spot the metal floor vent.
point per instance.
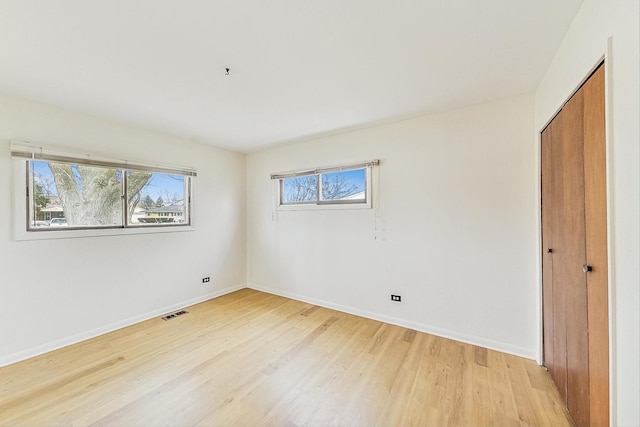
(176, 314)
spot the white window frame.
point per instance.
(23, 152)
(327, 204)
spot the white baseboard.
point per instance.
(421, 327)
(74, 339)
(433, 330)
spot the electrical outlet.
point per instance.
(396, 298)
(206, 279)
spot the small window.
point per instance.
(69, 195)
(336, 187)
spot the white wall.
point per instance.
(53, 292)
(585, 43)
(454, 232)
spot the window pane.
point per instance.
(156, 199)
(71, 195)
(302, 189)
(344, 186)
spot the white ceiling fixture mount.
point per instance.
(317, 67)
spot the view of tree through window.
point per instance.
(82, 196)
(336, 187)
(348, 185)
(302, 189)
(160, 200)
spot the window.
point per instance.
(160, 199)
(73, 193)
(299, 190)
(345, 186)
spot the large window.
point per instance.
(85, 192)
(73, 196)
(346, 186)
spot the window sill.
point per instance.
(73, 234)
(321, 207)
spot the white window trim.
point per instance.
(20, 215)
(314, 206)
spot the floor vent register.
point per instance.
(174, 315)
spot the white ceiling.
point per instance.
(299, 68)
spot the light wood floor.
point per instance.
(250, 358)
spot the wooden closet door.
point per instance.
(554, 296)
(575, 286)
(596, 236)
(548, 320)
(570, 257)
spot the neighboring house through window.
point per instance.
(67, 192)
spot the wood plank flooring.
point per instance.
(255, 359)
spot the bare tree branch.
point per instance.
(337, 187)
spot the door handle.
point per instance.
(587, 268)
